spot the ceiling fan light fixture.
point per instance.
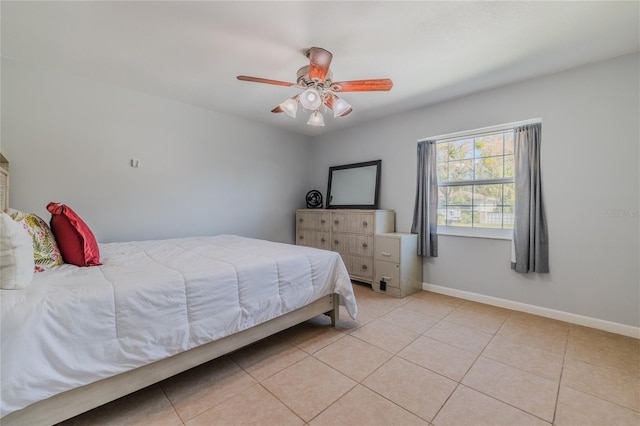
(311, 99)
(316, 119)
(318, 88)
(290, 106)
(340, 107)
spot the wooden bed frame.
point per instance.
(79, 400)
(76, 401)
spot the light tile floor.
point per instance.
(425, 359)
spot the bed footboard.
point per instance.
(76, 401)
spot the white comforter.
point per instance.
(150, 300)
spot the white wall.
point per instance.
(70, 139)
(590, 160)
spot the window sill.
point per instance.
(492, 234)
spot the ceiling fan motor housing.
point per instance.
(305, 81)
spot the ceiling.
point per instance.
(432, 50)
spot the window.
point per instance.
(476, 189)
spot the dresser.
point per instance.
(398, 268)
(349, 232)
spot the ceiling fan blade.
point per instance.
(319, 61)
(264, 80)
(381, 84)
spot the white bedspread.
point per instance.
(150, 300)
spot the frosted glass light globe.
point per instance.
(311, 99)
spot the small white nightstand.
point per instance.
(398, 268)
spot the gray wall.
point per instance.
(590, 160)
(70, 139)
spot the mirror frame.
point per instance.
(374, 205)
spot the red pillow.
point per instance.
(77, 243)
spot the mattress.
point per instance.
(148, 301)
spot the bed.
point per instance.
(78, 337)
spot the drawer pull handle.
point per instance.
(364, 267)
(322, 221)
(385, 278)
(301, 220)
(365, 245)
(364, 223)
(322, 240)
(301, 237)
(335, 241)
(386, 254)
(336, 222)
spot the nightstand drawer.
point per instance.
(387, 249)
(389, 272)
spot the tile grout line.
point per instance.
(340, 372)
(596, 365)
(483, 393)
(227, 357)
(459, 382)
(260, 383)
(182, 421)
(333, 403)
(282, 402)
(393, 355)
(564, 358)
(356, 382)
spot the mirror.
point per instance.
(354, 186)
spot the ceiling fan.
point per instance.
(316, 80)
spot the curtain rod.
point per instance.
(482, 130)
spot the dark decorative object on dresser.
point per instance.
(314, 199)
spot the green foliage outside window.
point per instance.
(476, 181)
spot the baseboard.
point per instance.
(612, 327)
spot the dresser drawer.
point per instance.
(389, 272)
(352, 244)
(387, 248)
(316, 239)
(360, 223)
(319, 221)
(358, 266)
(350, 232)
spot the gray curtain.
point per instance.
(425, 221)
(530, 251)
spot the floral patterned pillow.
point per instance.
(45, 250)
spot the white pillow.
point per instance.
(16, 254)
